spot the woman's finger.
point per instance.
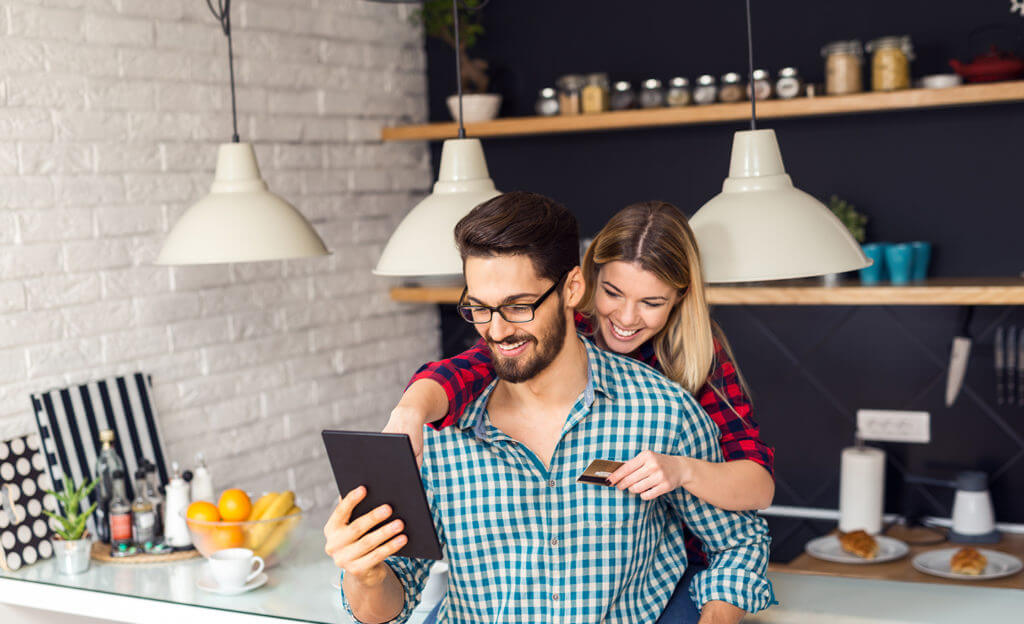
(655, 492)
(625, 469)
(645, 484)
(633, 477)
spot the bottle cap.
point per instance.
(107, 435)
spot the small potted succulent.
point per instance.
(437, 19)
(854, 222)
(72, 545)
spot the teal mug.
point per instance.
(875, 252)
(899, 258)
(922, 257)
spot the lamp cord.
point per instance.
(223, 15)
(458, 65)
(750, 75)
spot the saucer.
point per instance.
(206, 582)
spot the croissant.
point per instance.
(859, 543)
(968, 561)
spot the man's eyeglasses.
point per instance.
(511, 312)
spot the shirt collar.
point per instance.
(599, 379)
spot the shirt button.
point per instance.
(554, 542)
(554, 596)
(551, 483)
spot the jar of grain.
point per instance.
(890, 62)
(843, 67)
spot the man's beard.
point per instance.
(520, 369)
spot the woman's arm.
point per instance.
(739, 485)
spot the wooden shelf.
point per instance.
(968, 95)
(947, 291)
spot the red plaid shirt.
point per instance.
(465, 376)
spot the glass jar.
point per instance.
(761, 82)
(890, 62)
(706, 91)
(622, 96)
(789, 85)
(843, 67)
(570, 89)
(547, 102)
(652, 95)
(731, 89)
(678, 92)
(595, 93)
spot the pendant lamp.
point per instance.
(240, 220)
(424, 242)
(761, 227)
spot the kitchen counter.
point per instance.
(300, 590)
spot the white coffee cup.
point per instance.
(233, 567)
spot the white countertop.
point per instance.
(301, 590)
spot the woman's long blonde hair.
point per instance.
(656, 236)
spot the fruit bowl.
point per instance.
(270, 537)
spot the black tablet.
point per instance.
(386, 465)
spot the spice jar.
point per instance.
(732, 89)
(547, 102)
(761, 83)
(622, 96)
(890, 63)
(678, 92)
(595, 93)
(652, 95)
(570, 89)
(789, 85)
(706, 91)
(843, 67)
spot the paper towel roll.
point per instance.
(861, 489)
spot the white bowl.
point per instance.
(476, 107)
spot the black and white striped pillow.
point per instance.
(70, 420)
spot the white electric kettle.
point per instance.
(974, 520)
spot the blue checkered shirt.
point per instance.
(526, 543)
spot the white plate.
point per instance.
(936, 563)
(207, 583)
(828, 549)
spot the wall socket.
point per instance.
(894, 426)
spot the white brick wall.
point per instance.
(110, 116)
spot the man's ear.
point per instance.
(574, 287)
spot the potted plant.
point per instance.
(72, 545)
(854, 222)
(438, 22)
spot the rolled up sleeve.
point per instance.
(412, 574)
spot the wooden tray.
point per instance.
(101, 552)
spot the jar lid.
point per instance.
(679, 82)
(623, 85)
(852, 46)
(731, 78)
(761, 74)
(652, 83)
(571, 82)
(597, 77)
(900, 42)
(547, 92)
(706, 79)
(788, 72)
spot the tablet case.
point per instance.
(385, 464)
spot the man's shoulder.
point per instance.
(635, 377)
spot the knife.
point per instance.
(1000, 366)
(958, 357)
(1011, 365)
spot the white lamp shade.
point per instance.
(760, 227)
(240, 220)
(424, 242)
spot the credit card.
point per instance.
(598, 471)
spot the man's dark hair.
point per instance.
(521, 223)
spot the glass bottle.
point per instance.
(678, 92)
(622, 96)
(143, 516)
(890, 63)
(153, 494)
(652, 95)
(595, 94)
(843, 67)
(761, 84)
(547, 102)
(731, 89)
(570, 87)
(706, 91)
(789, 85)
(120, 513)
(107, 463)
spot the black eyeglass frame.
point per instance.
(464, 308)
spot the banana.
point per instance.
(276, 508)
(279, 533)
(261, 505)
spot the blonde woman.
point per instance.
(645, 298)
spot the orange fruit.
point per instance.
(234, 505)
(226, 537)
(204, 511)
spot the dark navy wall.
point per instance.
(950, 176)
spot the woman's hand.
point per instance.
(410, 421)
(651, 474)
